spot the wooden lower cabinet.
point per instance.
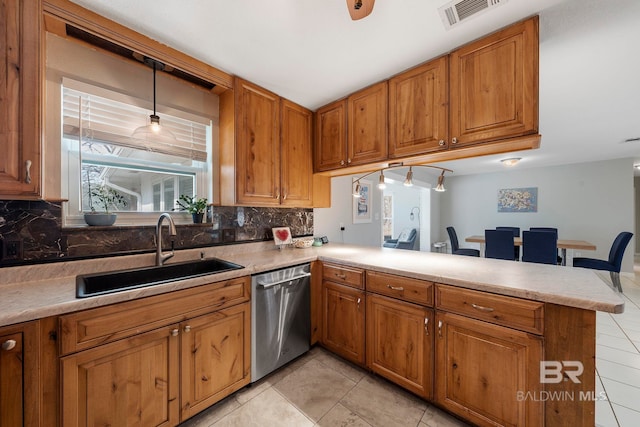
(216, 357)
(400, 343)
(160, 377)
(343, 311)
(19, 384)
(129, 382)
(482, 368)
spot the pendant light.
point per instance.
(440, 187)
(359, 9)
(153, 131)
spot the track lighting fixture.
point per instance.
(408, 180)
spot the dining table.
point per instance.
(563, 245)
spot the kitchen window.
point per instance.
(98, 149)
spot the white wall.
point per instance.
(326, 221)
(586, 201)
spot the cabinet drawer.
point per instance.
(404, 288)
(508, 311)
(346, 275)
(86, 329)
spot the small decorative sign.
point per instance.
(362, 204)
(518, 199)
(282, 235)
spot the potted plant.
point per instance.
(105, 197)
(194, 206)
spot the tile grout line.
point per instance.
(609, 402)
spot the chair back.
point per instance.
(540, 247)
(551, 229)
(499, 244)
(454, 239)
(516, 233)
(617, 249)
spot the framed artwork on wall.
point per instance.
(518, 199)
(362, 205)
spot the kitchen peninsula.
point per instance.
(468, 315)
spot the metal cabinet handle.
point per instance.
(8, 345)
(341, 162)
(175, 332)
(359, 299)
(441, 142)
(481, 308)
(426, 326)
(341, 276)
(440, 328)
(284, 197)
(27, 178)
(454, 140)
(187, 328)
(349, 160)
(396, 288)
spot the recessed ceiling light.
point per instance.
(512, 161)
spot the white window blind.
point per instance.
(112, 122)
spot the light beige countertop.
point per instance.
(42, 290)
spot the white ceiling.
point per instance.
(311, 52)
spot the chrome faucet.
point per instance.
(160, 257)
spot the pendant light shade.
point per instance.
(408, 182)
(356, 191)
(153, 131)
(359, 9)
(440, 187)
(381, 183)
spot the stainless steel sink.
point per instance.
(88, 285)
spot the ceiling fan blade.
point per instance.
(359, 9)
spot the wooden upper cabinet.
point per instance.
(330, 148)
(418, 109)
(296, 155)
(257, 145)
(494, 86)
(367, 125)
(20, 87)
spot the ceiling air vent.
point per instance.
(455, 12)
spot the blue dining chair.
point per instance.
(551, 230)
(540, 247)
(613, 264)
(516, 233)
(498, 244)
(455, 247)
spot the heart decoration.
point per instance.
(282, 234)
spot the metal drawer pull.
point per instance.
(9, 345)
(359, 302)
(174, 332)
(481, 308)
(396, 288)
(440, 328)
(341, 276)
(187, 328)
(27, 178)
(426, 326)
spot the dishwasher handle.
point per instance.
(268, 285)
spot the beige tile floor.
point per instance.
(320, 389)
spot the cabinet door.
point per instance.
(20, 390)
(400, 343)
(418, 110)
(11, 384)
(481, 369)
(20, 85)
(257, 145)
(343, 321)
(129, 382)
(367, 125)
(494, 86)
(296, 155)
(216, 357)
(330, 150)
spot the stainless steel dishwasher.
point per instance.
(280, 321)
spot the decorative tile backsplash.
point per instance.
(31, 232)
